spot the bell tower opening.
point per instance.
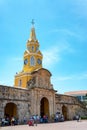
(10, 110)
(44, 108)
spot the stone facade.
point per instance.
(38, 98)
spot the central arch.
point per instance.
(44, 107)
(10, 110)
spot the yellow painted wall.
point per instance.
(24, 78)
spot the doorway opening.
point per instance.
(10, 110)
(64, 111)
(44, 108)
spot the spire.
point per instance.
(32, 22)
(32, 33)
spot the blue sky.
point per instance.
(61, 28)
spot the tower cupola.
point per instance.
(32, 56)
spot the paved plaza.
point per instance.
(67, 125)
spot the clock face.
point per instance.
(25, 61)
(39, 61)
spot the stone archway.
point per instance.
(64, 112)
(10, 110)
(44, 107)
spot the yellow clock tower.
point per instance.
(32, 60)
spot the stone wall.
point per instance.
(28, 101)
(72, 105)
(20, 97)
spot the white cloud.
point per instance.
(79, 76)
(82, 76)
(52, 55)
(68, 33)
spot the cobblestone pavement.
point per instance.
(67, 125)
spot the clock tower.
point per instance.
(32, 60)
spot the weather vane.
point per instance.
(33, 22)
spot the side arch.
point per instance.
(64, 111)
(10, 110)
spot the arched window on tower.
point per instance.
(20, 83)
(32, 61)
(32, 48)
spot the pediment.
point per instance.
(43, 72)
(41, 79)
